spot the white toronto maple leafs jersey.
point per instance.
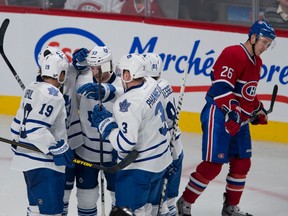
(170, 108)
(75, 138)
(90, 150)
(140, 116)
(114, 6)
(40, 122)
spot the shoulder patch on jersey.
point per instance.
(53, 91)
(124, 106)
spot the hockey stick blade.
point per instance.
(2, 35)
(121, 165)
(3, 28)
(273, 99)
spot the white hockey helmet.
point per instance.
(134, 63)
(154, 64)
(100, 56)
(50, 50)
(53, 65)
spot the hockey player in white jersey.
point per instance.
(173, 175)
(114, 6)
(68, 89)
(99, 60)
(138, 123)
(75, 139)
(41, 122)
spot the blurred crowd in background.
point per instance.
(236, 12)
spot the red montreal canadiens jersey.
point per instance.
(131, 7)
(235, 76)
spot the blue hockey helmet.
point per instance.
(262, 28)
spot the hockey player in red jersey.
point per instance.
(230, 100)
(139, 7)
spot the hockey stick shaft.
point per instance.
(125, 162)
(180, 102)
(173, 136)
(2, 35)
(101, 150)
(270, 110)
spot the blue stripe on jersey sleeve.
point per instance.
(96, 151)
(155, 146)
(74, 135)
(32, 157)
(121, 135)
(32, 130)
(16, 121)
(38, 122)
(14, 132)
(74, 123)
(220, 88)
(152, 157)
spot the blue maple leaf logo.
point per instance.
(53, 91)
(124, 106)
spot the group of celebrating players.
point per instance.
(91, 111)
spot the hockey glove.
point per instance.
(62, 154)
(102, 119)
(79, 59)
(91, 91)
(99, 114)
(232, 121)
(259, 115)
(170, 170)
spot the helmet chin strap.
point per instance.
(108, 77)
(253, 46)
(253, 49)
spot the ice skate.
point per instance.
(232, 210)
(184, 208)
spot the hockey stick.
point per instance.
(173, 136)
(273, 99)
(2, 34)
(101, 150)
(113, 169)
(270, 110)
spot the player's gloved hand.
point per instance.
(102, 119)
(170, 170)
(79, 59)
(62, 154)
(232, 121)
(259, 115)
(91, 91)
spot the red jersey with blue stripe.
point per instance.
(235, 77)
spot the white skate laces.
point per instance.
(232, 210)
(184, 208)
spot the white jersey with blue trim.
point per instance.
(75, 138)
(90, 150)
(170, 108)
(40, 122)
(140, 116)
